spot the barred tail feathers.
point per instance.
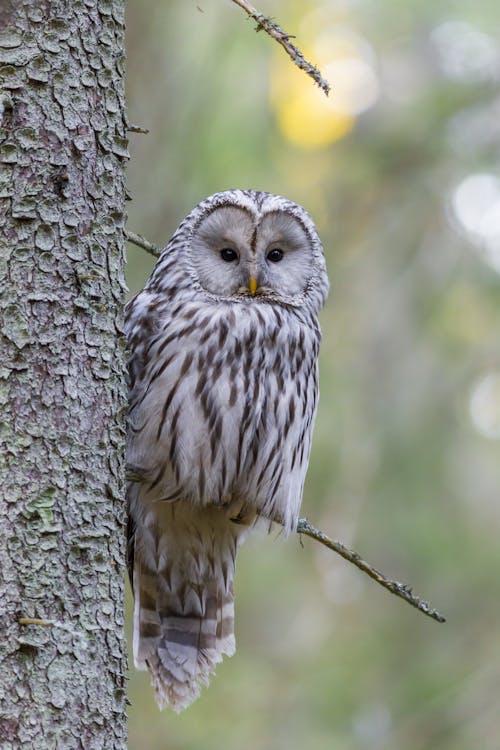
(184, 600)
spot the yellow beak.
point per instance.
(252, 285)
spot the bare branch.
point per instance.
(396, 588)
(277, 33)
(35, 621)
(136, 239)
(137, 129)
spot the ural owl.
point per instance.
(223, 343)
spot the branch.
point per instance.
(34, 621)
(277, 33)
(136, 239)
(396, 588)
(137, 129)
(134, 474)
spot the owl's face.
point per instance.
(255, 246)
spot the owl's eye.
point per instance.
(275, 255)
(228, 254)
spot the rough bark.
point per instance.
(62, 401)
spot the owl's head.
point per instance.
(251, 246)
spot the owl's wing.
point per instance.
(130, 546)
(277, 464)
(187, 406)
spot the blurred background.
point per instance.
(400, 168)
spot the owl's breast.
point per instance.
(224, 409)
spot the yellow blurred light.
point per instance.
(305, 116)
(306, 122)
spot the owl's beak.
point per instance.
(252, 285)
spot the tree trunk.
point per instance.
(62, 400)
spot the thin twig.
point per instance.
(35, 621)
(136, 239)
(396, 588)
(137, 129)
(277, 33)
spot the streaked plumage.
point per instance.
(223, 397)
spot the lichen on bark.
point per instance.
(62, 402)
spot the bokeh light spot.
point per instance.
(484, 405)
(476, 209)
(356, 85)
(465, 53)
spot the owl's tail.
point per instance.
(184, 603)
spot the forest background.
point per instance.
(400, 168)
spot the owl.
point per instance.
(223, 377)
